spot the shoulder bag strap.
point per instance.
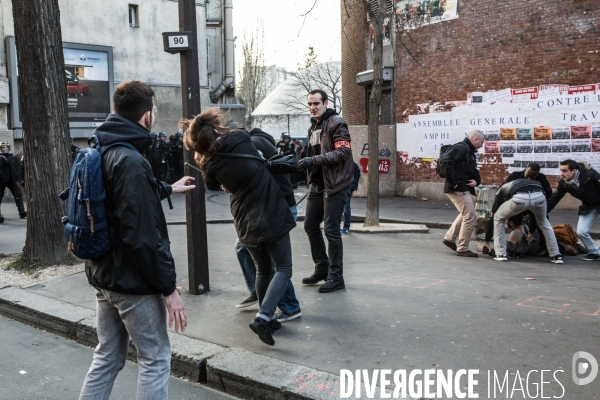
(237, 155)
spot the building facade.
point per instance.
(130, 35)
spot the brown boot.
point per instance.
(466, 253)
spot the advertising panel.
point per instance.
(88, 73)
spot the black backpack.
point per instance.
(440, 168)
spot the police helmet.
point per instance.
(154, 135)
(178, 135)
(4, 144)
(285, 135)
(162, 134)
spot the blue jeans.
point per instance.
(271, 287)
(348, 213)
(288, 303)
(583, 231)
(321, 207)
(144, 319)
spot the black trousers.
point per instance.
(18, 199)
(321, 207)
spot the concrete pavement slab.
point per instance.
(273, 379)
(50, 314)
(384, 227)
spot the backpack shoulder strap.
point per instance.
(237, 155)
(104, 148)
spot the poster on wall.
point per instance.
(561, 127)
(417, 13)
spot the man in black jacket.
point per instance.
(532, 172)
(583, 182)
(136, 279)
(330, 172)
(462, 177)
(514, 198)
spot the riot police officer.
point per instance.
(176, 153)
(9, 167)
(161, 152)
(150, 154)
(285, 146)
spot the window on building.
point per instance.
(134, 20)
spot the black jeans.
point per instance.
(270, 290)
(321, 207)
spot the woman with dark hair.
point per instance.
(262, 218)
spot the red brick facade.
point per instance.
(492, 171)
(354, 33)
(494, 44)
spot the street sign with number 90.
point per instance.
(178, 41)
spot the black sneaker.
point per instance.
(591, 257)
(23, 215)
(314, 279)
(1, 219)
(332, 285)
(263, 329)
(557, 259)
(275, 325)
(283, 317)
(249, 302)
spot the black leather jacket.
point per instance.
(461, 167)
(334, 155)
(588, 191)
(140, 263)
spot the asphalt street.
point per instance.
(40, 365)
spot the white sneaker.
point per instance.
(501, 258)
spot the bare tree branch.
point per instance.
(253, 84)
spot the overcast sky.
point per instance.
(286, 38)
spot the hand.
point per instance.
(176, 311)
(529, 238)
(472, 183)
(183, 185)
(223, 188)
(306, 162)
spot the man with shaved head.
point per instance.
(462, 177)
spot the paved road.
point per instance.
(55, 368)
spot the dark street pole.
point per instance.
(195, 207)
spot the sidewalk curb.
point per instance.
(361, 218)
(230, 370)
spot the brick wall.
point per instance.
(354, 32)
(494, 44)
(497, 44)
(492, 171)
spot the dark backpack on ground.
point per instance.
(440, 168)
(86, 227)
